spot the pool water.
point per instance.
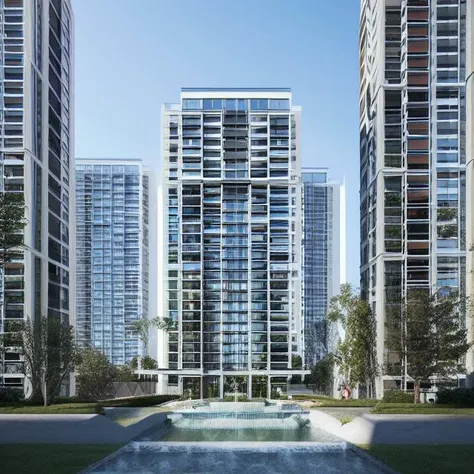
(232, 439)
(190, 459)
(307, 433)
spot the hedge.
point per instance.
(457, 396)
(311, 397)
(9, 396)
(397, 396)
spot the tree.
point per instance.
(355, 354)
(142, 327)
(296, 362)
(125, 373)
(322, 375)
(96, 375)
(147, 362)
(12, 223)
(49, 351)
(432, 338)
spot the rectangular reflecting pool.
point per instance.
(171, 433)
(193, 458)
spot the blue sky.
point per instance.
(133, 56)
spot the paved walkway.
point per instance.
(343, 412)
(300, 389)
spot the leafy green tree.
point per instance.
(12, 224)
(49, 351)
(296, 362)
(96, 375)
(125, 373)
(356, 353)
(147, 362)
(432, 338)
(142, 328)
(322, 375)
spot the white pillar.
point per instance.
(221, 386)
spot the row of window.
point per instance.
(236, 104)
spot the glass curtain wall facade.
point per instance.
(37, 160)
(112, 255)
(232, 240)
(323, 211)
(413, 157)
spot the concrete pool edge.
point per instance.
(264, 446)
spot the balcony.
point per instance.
(418, 79)
(235, 155)
(235, 143)
(235, 133)
(235, 119)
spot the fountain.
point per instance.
(236, 437)
(240, 415)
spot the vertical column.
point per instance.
(221, 386)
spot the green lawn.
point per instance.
(344, 403)
(51, 458)
(421, 459)
(60, 409)
(419, 409)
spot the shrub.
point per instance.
(415, 408)
(346, 419)
(125, 373)
(397, 396)
(146, 401)
(96, 375)
(10, 396)
(240, 398)
(311, 397)
(361, 402)
(456, 396)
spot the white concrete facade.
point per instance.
(232, 215)
(416, 154)
(37, 160)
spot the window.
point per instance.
(259, 104)
(192, 104)
(241, 104)
(212, 104)
(231, 104)
(279, 104)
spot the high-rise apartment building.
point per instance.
(112, 243)
(232, 227)
(415, 59)
(323, 257)
(37, 160)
